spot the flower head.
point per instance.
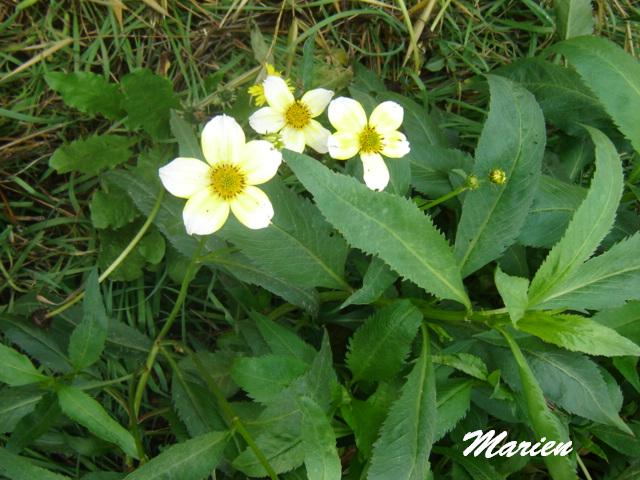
(226, 181)
(257, 91)
(294, 119)
(497, 176)
(370, 138)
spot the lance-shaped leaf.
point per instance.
(513, 140)
(573, 17)
(17, 369)
(376, 280)
(513, 291)
(16, 467)
(319, 443)
(385, 225)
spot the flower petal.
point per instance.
(222, 140)
(293, 139)
(343, 145)
(345, 114)
(317, 100)
(204, 213)
(253, 208)
(376, 173)
(277, 93)
(387, 117)
(395, 145)
(267, 120)
(315, 135)
(183, 177)
(260, 161)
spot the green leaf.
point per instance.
(385, 225)
(376, 280)
(152, 246)
(195, 405)
(513, 291)
(112, 243)
(378, 348)
(88, 339)
(590, 224)
(148, 101)
(453, 403)
(478, 468)
(194, 459)
(15, 467)
(613, 75)
(573, 18)
(578, 334)
(81, 408)
(35, 424)
(432, 166)
(264, 377)
(283, 341)
(92, 155)
(15, 403)
(402, 451)
(319, 443)
(17, 369)
(543, 421)
(513, 139)
(88, 92)
(625, 320)
(111, 209)
(465, 362)
(188, 145)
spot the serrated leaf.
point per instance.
(283, 341)
(35, 424)
(385, 225)
(15, 403)
(478, 468)
(15, 467)
(402, 451)
(148, 101)
(263, 377)
(613, 75)
(376, 280)
(378, 348)
(431, 166)
(513, 139)
(573, 18)
(513, 291)
(111, 209)
(194, 405)
(80, 407)
(625, 320)
(576, 333)
(453, 402)
(88, 92)
(319, 443)
(590, 224)
(465, 362)
(17, 369)
(92, 155)
(194, 459)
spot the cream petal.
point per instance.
(222, 140)
(387, 117)
(204, 213)
(395, 145)
(260, 161)
(293, 139)
(267, 120)
(277, 93)
(376, 173)
(317, 100)
(183, 177)
(343, 145)
(253, 208)
(347, 115)
(315, 135)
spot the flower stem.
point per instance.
(444, 198)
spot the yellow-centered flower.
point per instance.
(294, 119)
(370, 138)
(226, 181)
(257, 91)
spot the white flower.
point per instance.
(379, 135)
(294, 119)
(226, 182)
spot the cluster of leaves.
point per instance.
(480, 314)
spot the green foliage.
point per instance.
(376, 280)
(573, 17)
(453, 403)
(319, 443)
(92, 155)
(262, 377)
(17, 369)
(513, 291)
(15, 467)
(112, 209)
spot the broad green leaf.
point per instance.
(432, 166)
(194, 459)
(589, 225)
(319, 443)
(188, 145)
(376, 280)
(264, 377)
(88, 92)
(112, 243)
(625, 320)
(628, 368)
(378, 348)
(148, 101)
(17, 369)
(15, 403)
(465, 362)
(453, 403)
(573, 18)
(283, 341)
(606, 281)
(15, 467)
(402, 451)
(88, 339)
(543, 421)
(385, 225)
(111, 209)
(152, 247)
(613, 75)
(513, 291)
(513, 139)
(35, 424)
(92, 154)
(577, 333)
(622, 442)
(81, 408)
(195, 405)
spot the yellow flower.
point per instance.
(497, 176)
(370, 138)
(226, 182)
(257, 91)
(294, 119)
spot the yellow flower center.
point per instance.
(227, 181)
(370, 140)
(297, 115)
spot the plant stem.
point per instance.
(444, 198)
